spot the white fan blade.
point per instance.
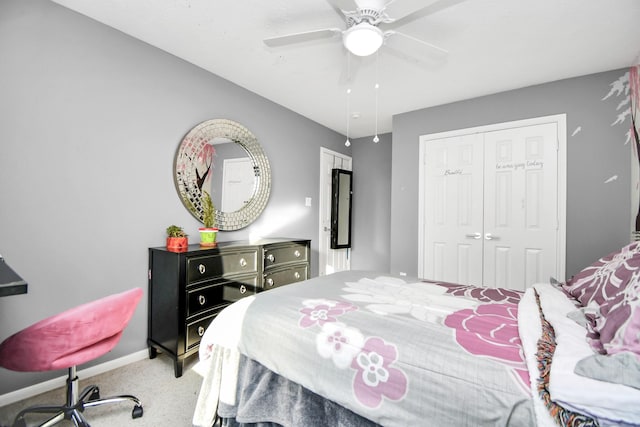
(392, 33)
(343, 5)
(422, 11)
(305, 36)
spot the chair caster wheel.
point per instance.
(137, 412)
(95, 394)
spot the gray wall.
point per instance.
(598, 213)
(90, 120)
(371, 203)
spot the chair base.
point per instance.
(76, 404)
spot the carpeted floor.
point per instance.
(167, 400)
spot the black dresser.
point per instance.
(188, 289)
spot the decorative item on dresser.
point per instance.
(209, 232)
(188, 289)
(177, 239)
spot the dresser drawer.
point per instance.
(201, 299)
(221, 265)
(285, 276)
(196, 329)
(277, 255)
(204, 298)
(240, 288)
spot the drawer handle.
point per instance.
(200, 331)
(202, 268)
(297, 253)
(269, 282)
(296, 275)
(243, 289)
(201, 299)
(271, 258)
(243, 262)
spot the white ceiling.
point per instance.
(494, 45)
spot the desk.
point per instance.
(10, 282)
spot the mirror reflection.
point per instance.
(232, 181)
(341, 191)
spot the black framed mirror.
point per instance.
(341, 192)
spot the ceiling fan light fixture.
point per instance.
(363, 39)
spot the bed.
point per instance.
(360, 348)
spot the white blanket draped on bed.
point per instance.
(609, 403)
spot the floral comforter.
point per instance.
(395, 351)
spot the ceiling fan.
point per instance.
(368, 24)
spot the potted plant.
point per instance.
(209, 232)
(177, 240)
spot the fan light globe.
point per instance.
(363, 39)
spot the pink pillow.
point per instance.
(618, 322)
(605, 278)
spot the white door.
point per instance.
(520, 206)
(490, 205)
(453, 211)
(331, 260)
(238, 183)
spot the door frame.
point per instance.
(342, 161)
(561, 121)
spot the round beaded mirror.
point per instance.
(225, 160)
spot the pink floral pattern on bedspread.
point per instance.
(371, 357)
(318, 312)
(376, 378)
(481, 294)
(491, 330)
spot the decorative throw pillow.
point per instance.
(618, 322)
(605, 278)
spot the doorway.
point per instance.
(238, 183)
(330, 260)
(492, 204)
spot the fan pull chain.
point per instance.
(376, 87)
(347, 143)
(375, 138)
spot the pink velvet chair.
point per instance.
(69, 339)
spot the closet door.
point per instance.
(454, 209)
(520, 206)
(490, 207)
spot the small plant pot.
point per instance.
(177, 244)
(208, 236)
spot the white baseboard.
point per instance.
(24, 393)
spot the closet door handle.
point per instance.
(489, 236)
(476, 236)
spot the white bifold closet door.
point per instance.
(490, 207)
